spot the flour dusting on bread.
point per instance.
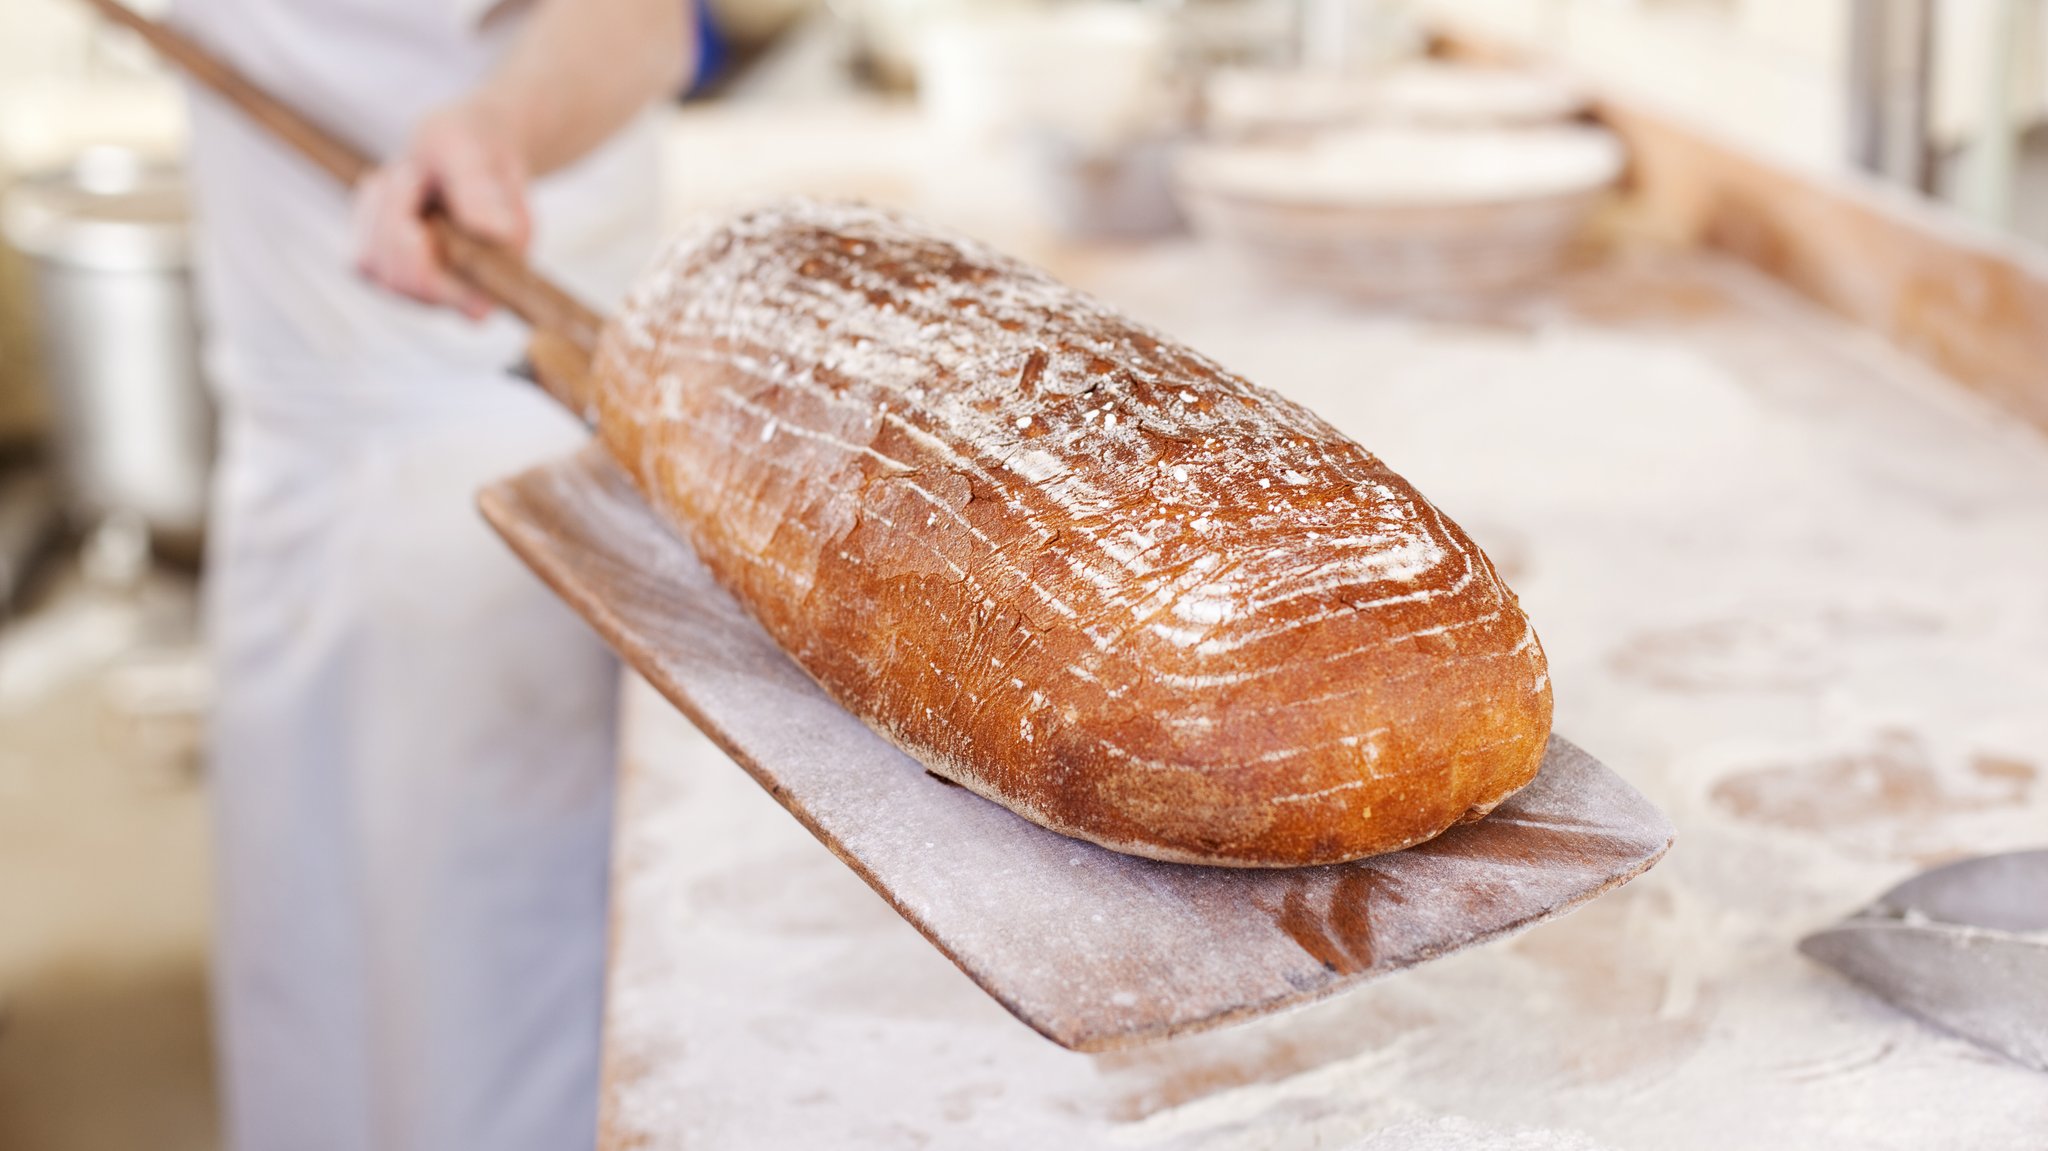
(1063, 559)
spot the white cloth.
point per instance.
(412, 747)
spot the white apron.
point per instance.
(412, 747)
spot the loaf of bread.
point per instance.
(1061, 559)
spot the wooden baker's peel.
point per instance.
(1092, 949)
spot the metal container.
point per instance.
(109, 240)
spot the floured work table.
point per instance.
(1789, 580)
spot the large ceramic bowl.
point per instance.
(1403, 212)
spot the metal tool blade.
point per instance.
(2000, 892)
(1964, 947)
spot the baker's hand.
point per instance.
(467, 159)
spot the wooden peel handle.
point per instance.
(565, 325)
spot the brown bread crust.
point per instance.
(1063, 560)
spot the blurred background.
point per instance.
(1308, 137)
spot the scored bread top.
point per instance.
(1062, 559)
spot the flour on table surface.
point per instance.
(1452, 1134)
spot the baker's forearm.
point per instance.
(580, 69)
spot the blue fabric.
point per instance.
(714, 54)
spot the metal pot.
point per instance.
(109, 241)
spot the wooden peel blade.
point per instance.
(567, 327)
(1092, 949)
